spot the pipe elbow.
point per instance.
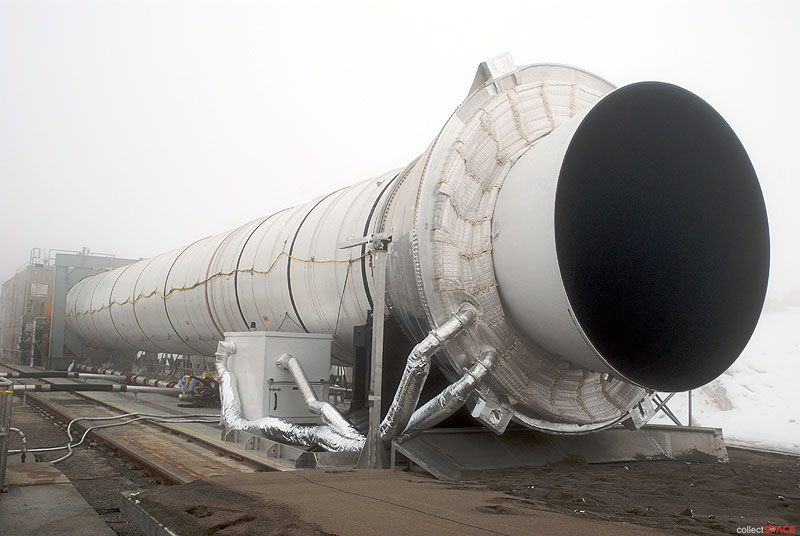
(284, 360)
(225, 349)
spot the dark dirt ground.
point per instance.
(754, 489)
(229, 512)
(99, 474)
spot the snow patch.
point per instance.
(755, 401)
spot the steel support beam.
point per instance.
(374, 455)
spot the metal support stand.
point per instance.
(378, 244)
(662, 406)
(448, 453)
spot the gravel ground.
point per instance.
(754, 489)
(99, 474)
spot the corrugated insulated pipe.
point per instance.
(416, 372)
(337, 434)
(330, 415)
(454, 396)
(275, 428)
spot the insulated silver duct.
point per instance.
(610, 241)
(451, 399)
(330, 415)
(338, 434)
(418, 365)
(273, 427)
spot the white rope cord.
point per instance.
(494, 138)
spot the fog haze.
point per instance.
(133, 128)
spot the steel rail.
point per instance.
(176, 432)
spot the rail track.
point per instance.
(178, 452)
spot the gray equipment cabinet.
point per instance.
(266, 389)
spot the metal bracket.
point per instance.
(493, 70)
(640, 414)
(376, 242)
(491, 410)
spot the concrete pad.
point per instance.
(31, 474)
(40, 501)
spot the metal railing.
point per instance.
(6, 394)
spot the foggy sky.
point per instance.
(136, 127)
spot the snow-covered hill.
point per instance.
(756, 402)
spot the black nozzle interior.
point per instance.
(662, 236)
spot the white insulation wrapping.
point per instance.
(478, 162)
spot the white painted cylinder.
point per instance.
(498, 159)
(284, 273)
